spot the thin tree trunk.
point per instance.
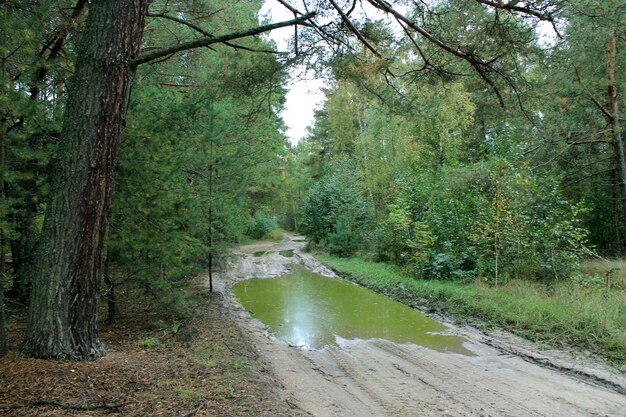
(295, 214)
(3, 327)
(62, 321)
(616, 133)
(23, 245)
(617, 249)
(111, 298)
(3, 321)
(211, 206)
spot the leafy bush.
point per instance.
(494, 220)
(262, 225)
(405, 241)
(335, 213)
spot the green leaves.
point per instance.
(335, 213)
(202, 153)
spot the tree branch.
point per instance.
(514, 7)
(200, 30)
(571, 183)
(211, 40)
(592, 97)
(55, 44)
(353, 29)
(480, 65)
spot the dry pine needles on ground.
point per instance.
(205, 368)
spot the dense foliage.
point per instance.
(200, 161)
(456, 186)
(454, 142)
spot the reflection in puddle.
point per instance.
(309, 310)
(286, 253)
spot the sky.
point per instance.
(304, 95)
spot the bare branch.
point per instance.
(592, 97)
(191, 25)
(515, 7)
(211, 40)
(353, 29)
(55, 44)
(292, 9)
(200, 30)
(595, 174)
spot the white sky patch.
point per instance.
(548, 38)
(305, 92)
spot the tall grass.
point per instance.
(567, 313)
(615, 268)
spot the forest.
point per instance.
(473, 150)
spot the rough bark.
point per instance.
(211, 209)
(62, 320)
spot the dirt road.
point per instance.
(382, 378)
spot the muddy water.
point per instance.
(309, 310)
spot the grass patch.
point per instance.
(566, 313)
(149, 342)
(185, 390)
(607, 271)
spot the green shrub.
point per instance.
(262, 225)
(495, 220)
(335, 213)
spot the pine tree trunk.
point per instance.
(62, 320)
(616, 132)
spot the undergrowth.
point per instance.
(565, 313)
(607, 271)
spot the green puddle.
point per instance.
(286, 253)
(258, 253)
(309, 310)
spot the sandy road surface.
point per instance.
(382, 378)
